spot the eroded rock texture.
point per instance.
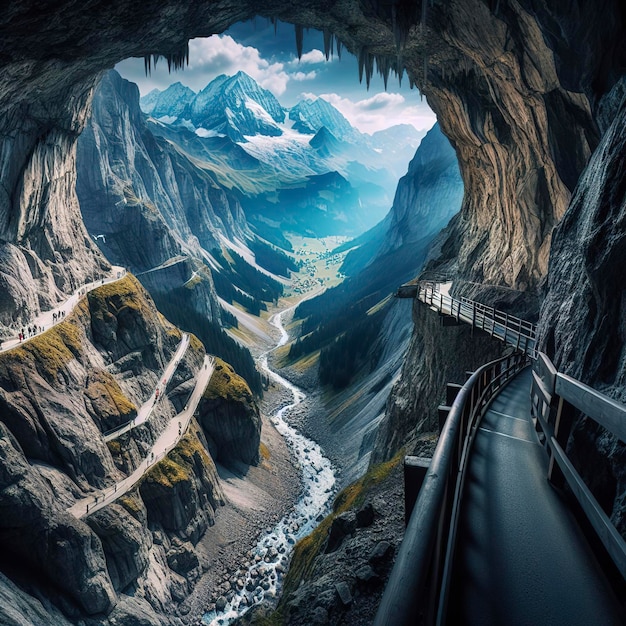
(58, 392)
(583, 318)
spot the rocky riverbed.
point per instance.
(256, 502)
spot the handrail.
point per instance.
(514, 331)
(418, 577)
(557, 400)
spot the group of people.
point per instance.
(58, 316)
(30, 331)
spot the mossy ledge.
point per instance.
(227, 384)
(48, 353)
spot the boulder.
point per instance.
(343, 526)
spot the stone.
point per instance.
(342, 526)
(344, 593)
(320, 615)
(365, 515)
(366, 575)
(381, 554)
(220, 603)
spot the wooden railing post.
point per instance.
(415, 468)
(563, 422)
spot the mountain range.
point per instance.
(250, 142)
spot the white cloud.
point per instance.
(208, 58)
(221, 54)
(381, 111)
(313, 57)
(300, 76)
(380, 101)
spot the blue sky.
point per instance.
(271, 60)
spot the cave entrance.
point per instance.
(299, 107)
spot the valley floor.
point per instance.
(256, 501)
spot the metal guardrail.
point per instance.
(557, 400)
(514, 331)
(414, 591)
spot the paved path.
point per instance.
(521, 558)
(46, 319)
(146, 408)
(167, 440)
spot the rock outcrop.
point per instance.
(230, 418)
(58, 392)
(182, 492)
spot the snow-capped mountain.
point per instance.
(239, 131)
(171, 104)
(312, 114)
(234, 106)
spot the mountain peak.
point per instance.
(237, 106)
(310, 115)
(173, 102)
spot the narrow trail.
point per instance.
(144, 412)
(272, 553)
(166, 441)
(47, 319)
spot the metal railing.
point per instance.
(514, 331)
(417, 588)
(557, 401)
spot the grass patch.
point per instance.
(115, 447)
(227, 384)
(195, 344)
(108, 398)
(168, 473)
(264, 451)
(352, 496)
(115, 298)
(179, 464)
(132, 504)
(48, 353)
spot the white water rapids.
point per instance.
(263, 577)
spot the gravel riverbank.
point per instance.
(257, 500)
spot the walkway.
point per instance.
(521, 558)
(512, 330)
(47, 319)
(167, 440)
(146, 408)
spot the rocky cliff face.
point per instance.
(230, 418)
(428, 196)
(583, 315)
(58, 392)
(133, 186)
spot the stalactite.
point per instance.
(338, 46)
(383, 66)
(299, 39)
(177, 60)
(361, 57)
(328, 43)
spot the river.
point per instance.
(272, 552)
